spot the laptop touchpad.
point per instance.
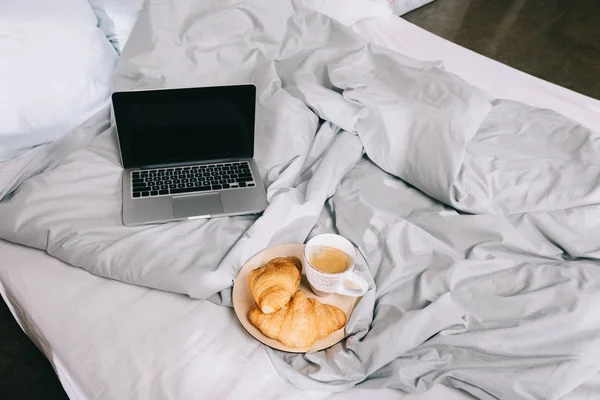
(197, 205)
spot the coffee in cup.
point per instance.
(330, 260)
(329, 264)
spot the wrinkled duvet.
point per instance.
(476, 219)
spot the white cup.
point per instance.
(323, 283)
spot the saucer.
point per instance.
(243, 301)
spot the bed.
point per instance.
(108, 339)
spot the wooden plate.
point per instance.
(243, 300)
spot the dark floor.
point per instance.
(25, 374)
(556, 40)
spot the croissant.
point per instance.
(300, 323)
(273, 284)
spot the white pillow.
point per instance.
(117, 18)
(55, 69)
(349, 12)
(401, 7)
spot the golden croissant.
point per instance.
(273, 284)
(300, 323)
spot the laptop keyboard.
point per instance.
(198, 178)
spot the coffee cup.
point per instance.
(329, 263)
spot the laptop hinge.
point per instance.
(183, 164)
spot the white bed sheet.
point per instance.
(109, 340)
(494, 77)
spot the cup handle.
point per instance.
(357, 280)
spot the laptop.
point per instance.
(187, 153)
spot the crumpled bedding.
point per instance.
(473, 216)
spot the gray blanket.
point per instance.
(475, 218)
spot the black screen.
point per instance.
(157, 127)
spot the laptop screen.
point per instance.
(172, 126)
